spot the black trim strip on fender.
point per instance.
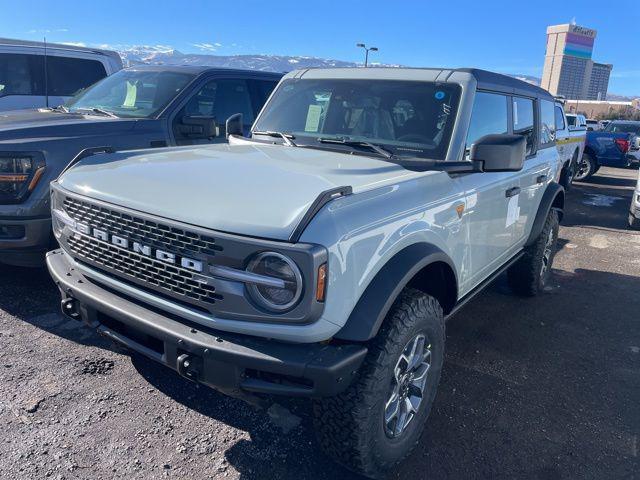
(87, 152)
(322, 199)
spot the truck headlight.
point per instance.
(19, 174)
(282, 287)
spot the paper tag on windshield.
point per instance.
(130, 99)
(313, 118)
(513, 210)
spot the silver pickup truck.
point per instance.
(320, 257)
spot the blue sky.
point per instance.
(505, 36)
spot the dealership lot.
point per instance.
(531, 388)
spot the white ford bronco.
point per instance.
(320, 257)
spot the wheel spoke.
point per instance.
(420, 377)
(417, 353)
(402, 419)
(392, 409)
(407, 389)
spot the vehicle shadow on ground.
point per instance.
(30, 295)
(521, 394)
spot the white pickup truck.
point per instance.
(571, 134)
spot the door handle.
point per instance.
(512, 192)
(541, 178)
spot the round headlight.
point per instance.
(275, 266)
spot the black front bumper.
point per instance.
(237, 365)
(27, 247)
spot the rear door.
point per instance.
(540, 167)
(22, 81)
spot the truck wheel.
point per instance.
(377, 421)
(566, 177)
(529, 275)
(586, 168)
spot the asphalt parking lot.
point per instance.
(543, 388)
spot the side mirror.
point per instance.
(198, 126)
(500, 153)
(234, 125)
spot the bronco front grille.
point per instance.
(145, 231)
(176, 282)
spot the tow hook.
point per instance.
(189, 366)
(70, 308)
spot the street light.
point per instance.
(367, 50)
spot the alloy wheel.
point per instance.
(407, 388)
(547, 255)
(584, 168)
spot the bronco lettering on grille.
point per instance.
(139, 248)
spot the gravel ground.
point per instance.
(544, 388)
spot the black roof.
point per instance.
(199, 70)
(504, 83)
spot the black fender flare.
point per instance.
(553, 197)
(379, 296)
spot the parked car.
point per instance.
(632, 127)
(577, 120)
(604, 123)
(610, 148)
(571, 134)
(136, 108)
(593, 125)
(31, 79)
(634, 210)
(321, 257)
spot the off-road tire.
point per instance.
(568, 173)
(526, 277)
(586, 171)
(350, 427)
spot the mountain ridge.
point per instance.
(166, 55)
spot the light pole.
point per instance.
(367, 50)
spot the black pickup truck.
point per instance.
(141, 107)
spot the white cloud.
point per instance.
(207, 47)
(75, 44)
(47, 30)
(625, 74)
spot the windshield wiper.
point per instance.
(99, 111)
(59, 108)
(286, 137)
(359, 143)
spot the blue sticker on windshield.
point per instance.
(439, 95)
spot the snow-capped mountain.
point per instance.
(160, 55)
(166, 55)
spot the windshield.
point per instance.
(411, 119)
(623, 128)
(131, 93)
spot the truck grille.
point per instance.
(146, 272)
(176, 282)
(145, 231)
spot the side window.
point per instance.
(221, 99)
(559, 119)
(261, 91)
(547, 123)
(21, 74)
(489, 116)
(523, 121)
(67, 76)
